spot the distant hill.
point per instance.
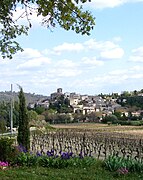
(30, 98)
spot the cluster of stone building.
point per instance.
(84, 104)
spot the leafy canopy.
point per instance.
(68, 14)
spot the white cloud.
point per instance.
(136, 68)
(65, 63)
(137, 55)
(118, 72)
(138, 51)
(107, 49)
(66, 68)
(28, 53)
(92, 61)
(64, 72)
(137, 76)
(68, 47)
(115, 53)
(33, 69)
(68, 72)
(37, 62)
(119, 79)
(136, 59)
(31, 58)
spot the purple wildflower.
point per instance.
(50, 153)
(70, 154)
(80, 155)
(21, 148)
(38, 153)
(65, 155)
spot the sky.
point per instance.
(110, 60)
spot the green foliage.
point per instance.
(39, 110)
(32, 115)
(131, 101)
(58, 162)
(15, 114)
(2, 126)
(23, 136)
(49, 128)
(7, 150)
(55, 118)
(110, 118)
(93, 117)
(79, 117)
(136, 123)
(114, 163)
(30, 160)
(5, 113)
(67, 14)
(26, 159)
(131, 123)
(9, 30)
(61, 105)
(62, 118)
(118, 114)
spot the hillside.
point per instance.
(30, 98)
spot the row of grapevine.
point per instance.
(88, 143)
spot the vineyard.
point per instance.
(98, 141)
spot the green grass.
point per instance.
(94, 172)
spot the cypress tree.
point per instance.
(23, 137)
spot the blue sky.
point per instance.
(109, 60)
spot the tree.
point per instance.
(15, 114)
(32, 115)
(2, 126)
(39, 109)
(61, 105)
(66, 13)
(23, 137)
(110, 118)
(118, 114)
(4, 112)
(94, 116)
(135, 92)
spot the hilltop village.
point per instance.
(87, 108)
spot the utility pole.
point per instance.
(11, 110)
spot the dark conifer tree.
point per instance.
(23, 137)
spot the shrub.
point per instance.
(110, 118)
(2, 126)
(7, 150)
(114, 163)
(131, 123)
(26, 159)
(64, 159)
(136, 123)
